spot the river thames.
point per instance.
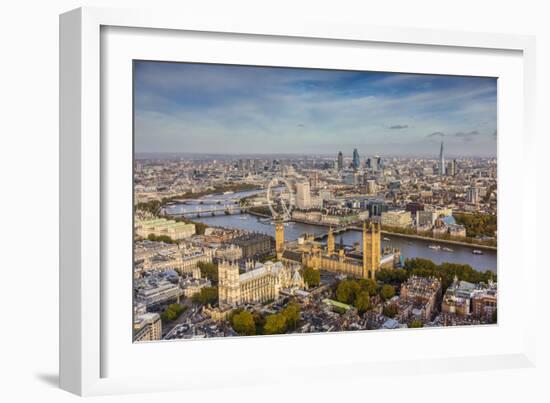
(410, 248)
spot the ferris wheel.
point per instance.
(280, 198)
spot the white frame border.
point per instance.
(80, 173)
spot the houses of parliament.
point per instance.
(265, 281)
(310, 253)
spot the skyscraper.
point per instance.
(356, 160)
(441, 161)
(303, 195)
(340, 164)
(472, 195)
(451, 168)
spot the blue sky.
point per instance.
(205, 108)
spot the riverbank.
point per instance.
(438, 240)
(256, 214)
(410, 248)
(398, 234)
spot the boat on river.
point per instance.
(477, 252)
(447, 249)
(387, 239)
(434, 247)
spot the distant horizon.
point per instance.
(172, 154)
(240, 110)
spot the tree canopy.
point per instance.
(287, 319)
(172, 312)
(477, 224)
(415, 323)
(447, 271)
(390, 311)
(311, 276)
(243, 323)
(275, 324)
(387, 291)
(160, 238)
(362, 301)
(207, 295)
(347, 290)
(209, 270)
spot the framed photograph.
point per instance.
(267, 199)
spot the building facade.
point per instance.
(303, 195)
(254, 244)
(399, 219)
(441, 161)
(147, 327)
(423, 294)
(312, 254)
(261, 284)
(163, 227)
(356, 159)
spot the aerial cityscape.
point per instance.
(283, 200)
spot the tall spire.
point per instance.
(330, 242)
(441, 161)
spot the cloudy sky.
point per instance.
(203, 108)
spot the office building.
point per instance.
(147, 327)
(163, 227)
(472, 195)
(254, 244)
(371, 187)
(340, 162)
(303, 195)
(441, 161)
(451, 168)
(356, 159)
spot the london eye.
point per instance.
(280, 198)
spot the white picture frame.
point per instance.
(88, 180)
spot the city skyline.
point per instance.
(289, 155)
(231, 110)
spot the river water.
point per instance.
(410, 248)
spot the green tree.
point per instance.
(362, 301)
(200, 227)
(368, 285)
(311, 276)
(172, 312)
(152, 207)
(160, 238)
(415, 323)
(477, 224)
(446, 271)
(292, 315)
(387, 291)
(419, 263)
(207, 295)
(243, 323)
(275, 324)
(209, 270)
(259, 320)
(392, 276)
(390, 311)
(347, 291)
